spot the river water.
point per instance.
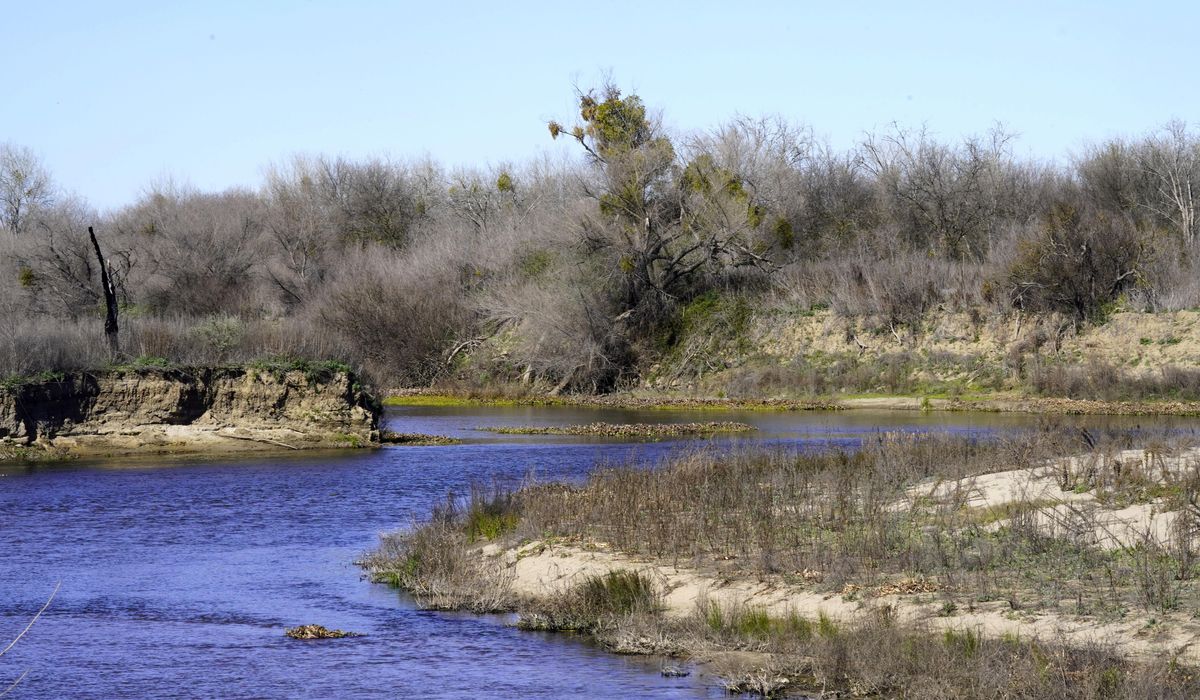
(179, 577)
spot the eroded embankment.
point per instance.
(795, 359)
(185, 410)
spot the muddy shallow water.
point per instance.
(178, 578)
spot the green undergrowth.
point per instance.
(11, 451)
(315, 371)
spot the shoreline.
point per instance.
(171, 444)
(635, 401)
(542, 572)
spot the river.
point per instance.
(180, 576)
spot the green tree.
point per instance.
(637, 219)
(661, 225)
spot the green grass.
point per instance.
(756, 623)
(349, 439)
(482, 524)
(490, 515)
(826, 627)
(315, 371)
(15, 381)
(619, 592)
(966, 642)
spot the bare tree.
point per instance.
(943, 197)
(1172, 160)
(25, 186)
(202, 253)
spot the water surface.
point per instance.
(179, 577)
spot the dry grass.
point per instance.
(436, 564)
(767, 655)
(877, 658)
(896, 517)
(777, 511)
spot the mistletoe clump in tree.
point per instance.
(664, 230)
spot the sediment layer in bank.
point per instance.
(185, 410)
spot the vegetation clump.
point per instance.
(628, 430)
(389, 437)
(13, 451)
(595, 602)
(315, 371)
(435, 561)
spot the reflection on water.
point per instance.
(178, 579)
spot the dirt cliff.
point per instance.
(186, 410)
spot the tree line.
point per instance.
(580, 267)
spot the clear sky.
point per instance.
(114, 95)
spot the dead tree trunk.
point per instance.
(110, 300)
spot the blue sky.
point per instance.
(115, 95)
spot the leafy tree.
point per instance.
(661, 225)
(637, 219)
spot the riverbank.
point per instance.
(971, 558)
(784, 357)
(185, 410)
(645, 400)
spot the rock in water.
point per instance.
(317, 632)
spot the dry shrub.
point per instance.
(770, 511)
(398, 315)
(435, 563)
(889, 288)
(1078, 262)
(1108, 382)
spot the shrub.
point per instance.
(1078, 262)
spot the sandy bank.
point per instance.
(1070, 498)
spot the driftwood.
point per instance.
(257, 439)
